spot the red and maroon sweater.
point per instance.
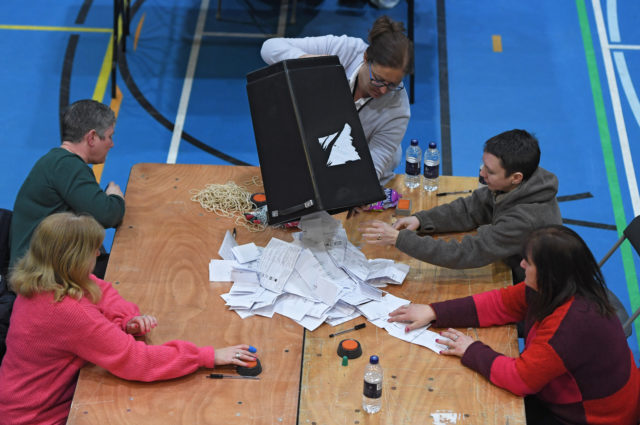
(576, 361)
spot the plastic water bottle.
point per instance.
(372, 393)
(431, 167)
(412, 167)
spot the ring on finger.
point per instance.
(237, 355)
(379, 236)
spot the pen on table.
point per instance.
(454, 193)
(223, 376)
(234, 233)
(355, 328)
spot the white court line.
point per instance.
(624, 46)
(627, 84)
(617, 108)
(188, 83)
(612, 21)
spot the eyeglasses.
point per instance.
(382, 83)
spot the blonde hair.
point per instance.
(60, 258)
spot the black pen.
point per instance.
(355, 328)
(454, 193)
(223, 376)
(234, 233)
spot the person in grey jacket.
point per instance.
(519, 197)
(375, 74)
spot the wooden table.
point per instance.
(159, 261)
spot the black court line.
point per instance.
(84, 11)
(589, 224)
(443, 73)
(69, 56)
(65, 79)
(583, 195)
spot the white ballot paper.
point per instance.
(320, 277)
(246, 253)
(227, 244)
(220, 270)
(276, 264)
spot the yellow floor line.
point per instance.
(497, 43)
(50, 28)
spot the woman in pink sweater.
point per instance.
(65, 317)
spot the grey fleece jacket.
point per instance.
(503, 222)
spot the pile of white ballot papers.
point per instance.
(319, 277)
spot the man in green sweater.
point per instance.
(62, 181)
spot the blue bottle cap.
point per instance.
(414, 142)
(252, 349)
(432, 145)
(373, 359)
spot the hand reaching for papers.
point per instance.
(376, 232)
(416, 315)
(410, 223)
(236, 355)
(456, 342)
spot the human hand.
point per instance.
(114, 189)
(141, 324)
(410, 223)
(416, 315)
(457, 342)
(377, 232)
(236, 354)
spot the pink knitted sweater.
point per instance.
(48, 342)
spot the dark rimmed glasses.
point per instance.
(382, 83)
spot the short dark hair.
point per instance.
(83, 116)
(389, 46)
(565, 267)
(517, 150)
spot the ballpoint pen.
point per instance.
(223, 376)
(355, 328)
(454, 193)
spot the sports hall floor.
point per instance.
(566, 70)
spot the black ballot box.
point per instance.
(312, 149)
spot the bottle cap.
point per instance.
(432, 145)
(414, 142)
(349, 348)
(373, 359)
(253, 368)
(252, 349)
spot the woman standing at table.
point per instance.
(64, 317)
(375, 74)
(576, 367)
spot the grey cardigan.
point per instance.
(384, 120)
(503, 222)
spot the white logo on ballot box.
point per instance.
(339, 146)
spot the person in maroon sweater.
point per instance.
(576, 367)
(64, 317)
